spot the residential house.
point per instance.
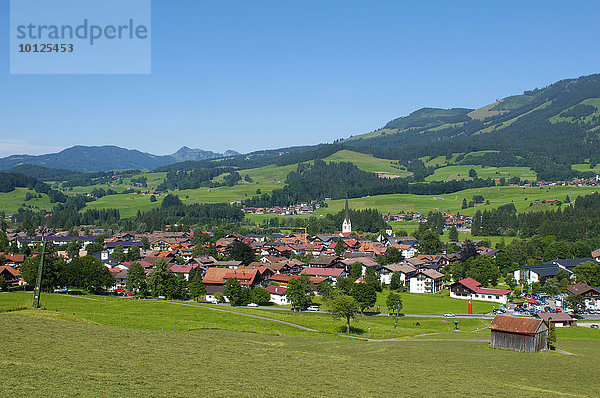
(426, 280)
(591, 295)
(470, 289)
(278, 294)
(405, 271)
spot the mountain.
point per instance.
(550, 127)
(185, 153)
(104, 158)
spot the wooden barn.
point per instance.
(519, 334)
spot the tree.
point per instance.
(299, 292)
(511, 282)
(145, 243)
(52, 276)
(118, 254)
(162, 280)
(90, 274)
(468, 250)
(453, 234)
(240, 251)
(372, 279)
(588, 272)
(365, 295)
(3, 284)
(576, 303)
(73, 248)
(325, 289)
(472, 173)
(3, 242)
(551, 335)
(340, 247)
(430, 243)
(136, 279)
(356, 270)
(393, 302)
(261, 296)
(464, 204)
(392, 256)
(343, 306)
(152, 198)
(133, 253)
(396, 281)
(233, 291)
(197, 288)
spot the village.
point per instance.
(278, 259)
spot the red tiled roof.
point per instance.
(473, 285)
(278, 290)
(316, 271)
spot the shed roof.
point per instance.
(513, 324)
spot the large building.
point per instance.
(426, 280)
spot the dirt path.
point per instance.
(321, 331)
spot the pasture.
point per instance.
(462, 173)
(522, 197)
(60, 351)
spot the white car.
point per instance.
(449, 315)
(313, 308)
(252, 305)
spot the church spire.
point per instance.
(347, 225)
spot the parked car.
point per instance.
(449, 315)
(252, 305)
(313, 308)
(595, 326)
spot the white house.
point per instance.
(278, 295)
(426, 280)
(470, 289)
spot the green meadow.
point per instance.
(369, 163)
(520, 196)
(462, 173)
(105, 346)
(10, 202)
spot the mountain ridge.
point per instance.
(83, 158)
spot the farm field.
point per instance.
(520, 196)
(462, 173)
(50, 352)
(368, 163)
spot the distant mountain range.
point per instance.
(104, 158)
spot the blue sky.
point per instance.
(250, 75)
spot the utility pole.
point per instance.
(397, 313)
(38, 280)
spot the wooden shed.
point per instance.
(518, 334)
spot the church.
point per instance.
(347, 225)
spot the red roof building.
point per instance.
(470, 289)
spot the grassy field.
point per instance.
(50, 353)
(462, 173)
(10, 202)
(521, 197)
(368, 163)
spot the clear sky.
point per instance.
(250, 75)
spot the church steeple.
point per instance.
(347, 225)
